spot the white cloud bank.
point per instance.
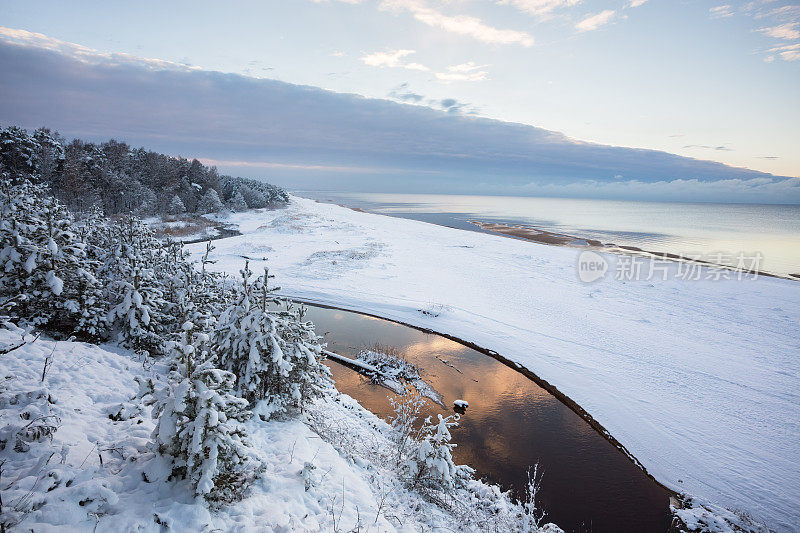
(306, 137)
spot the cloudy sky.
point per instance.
(519, 96)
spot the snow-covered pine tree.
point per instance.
(200, 428)
(274, 354)
(134, 291)
(18, 250)
(43, 259)
(175, 206)
(237, 201)
(430, 463)
(70, 286)
(210, 203)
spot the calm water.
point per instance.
(679, 228)
(511, 424)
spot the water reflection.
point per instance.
(510, 425)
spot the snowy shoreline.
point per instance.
(694, 378)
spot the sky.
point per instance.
(516, 96)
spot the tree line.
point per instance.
(120, 179)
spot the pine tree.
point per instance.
(44, 260)
(430, 465)
(134, 290)
(210, 203)
(176, 206)
(200, 428)
(238, 202)
(274, 354)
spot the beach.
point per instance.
(697, 379)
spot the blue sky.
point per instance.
(708, 80)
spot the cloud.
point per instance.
(402, 93)
(785, 31)
(541, 8)
(85, 54)
(706, 147)
(468, 71)
(458, 24)
(593, 22)
(451, 105)
(636, 3)
(767, 190)
(723, 11)
(306, 137)
(393, 59)
(789, 52)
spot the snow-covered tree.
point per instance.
(430, 464)
(44, 260)
(424, 452)
(176, 206)
(237, 202)
(210, 203)
(134, 290)
(254, 198)
(273, 353)
(200, 428)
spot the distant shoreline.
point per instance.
(530, 233)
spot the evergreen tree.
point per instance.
(238, 202)
(134, 291)
(430, 464)
(200, 428)
(45, 263)
(210, 203)
(176, 206)
(274, 355)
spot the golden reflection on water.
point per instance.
(510, 425)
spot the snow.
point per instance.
(697, 379)
(351, 362)
(97, 472)
(462, 404)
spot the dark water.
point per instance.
(511, 424)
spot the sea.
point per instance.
(755, 236)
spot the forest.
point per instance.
(120, 179)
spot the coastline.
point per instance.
(621, 351)
(511, 225)
(562, 239)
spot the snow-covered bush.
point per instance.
(430, 463)
(273, 353)
(200, 429)
(237, 202)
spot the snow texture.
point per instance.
(698, 379)
(85, 460)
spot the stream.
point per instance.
(511, 424)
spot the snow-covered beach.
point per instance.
(697, 379)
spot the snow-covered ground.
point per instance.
(698, 379)
(325, 472)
